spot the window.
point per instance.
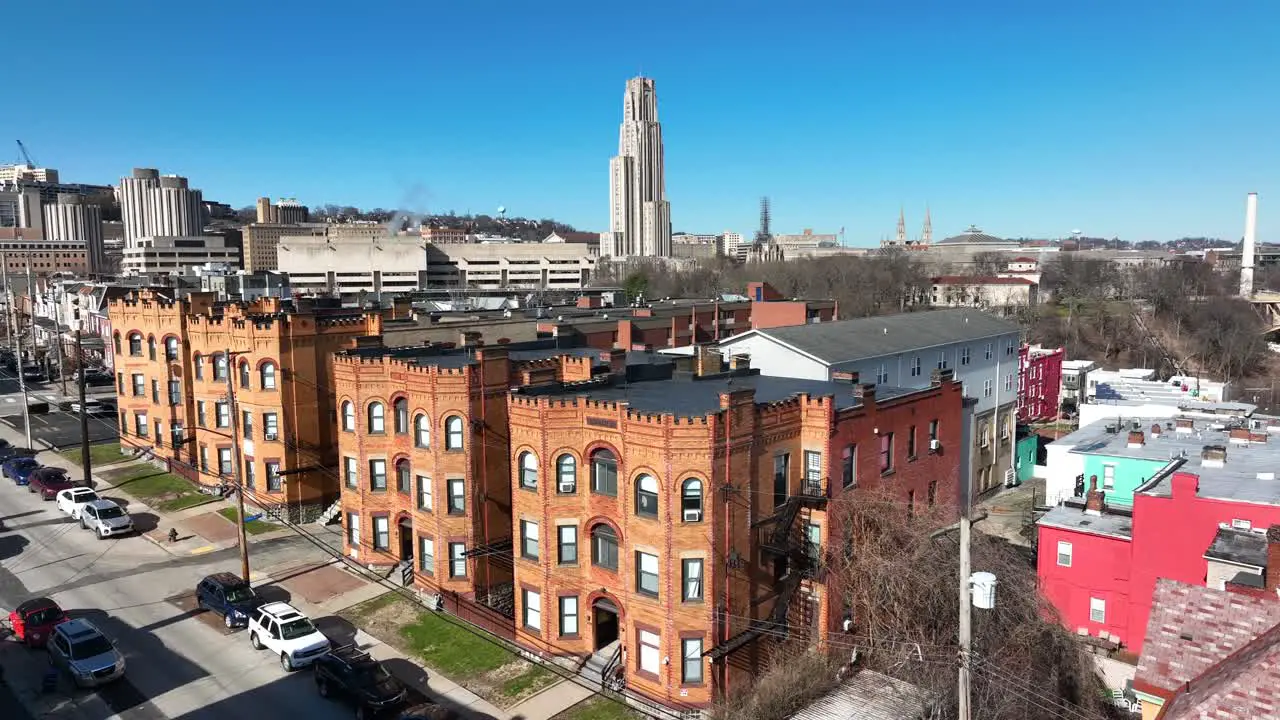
(404, 480)
(604, 473)
(197, 361)
(204, 459)
(1010, 347)
(882, 375)
(566, 474)
(151, 347)
(453, 433)
(225, 468)
(246, 424)
(171, 348)
(155, 391)
(135, 344)
(933, 429)
(270, 426)
(457, 560)
(377, 474)
(813, 472)
(139, 385)
(984, 433)
(400, 411)
(1108, 477)
(691, 579)
(175, 434)
(942, 360)
(569, 615)
(1238, 524)
(990, 347)
(650, 652)
(223, 414)
(567, 552)
(427, 555)
(915, 366)
(986, 388)
(175, 392)
(421, 431)
(911, 442)
(647, 574)
(1097, 610)
(348, 416)
(115, 340)
(1004, 428)
(381, 532)
(646, 496)
(457, 499)
(528, 471)
(349, 473)
(250, 477)
(220, 367)
(267, 375)
(813, 541)
(849, 466)
(120, 383)
(1008, 382)
(273, 475)
(353, 530)
(964, 355)
(691, 661)
(691, 500)
(531, 602)
(1064, 553)
(604, 547)
(140, 424)
(243, 369)
(886, 452)
(377, 418)
(528, 540)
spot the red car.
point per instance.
(34, 620)
(49, 481)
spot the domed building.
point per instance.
(975, 236)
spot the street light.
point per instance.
(85, 462)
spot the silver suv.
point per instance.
(83, 652)
(105, 518)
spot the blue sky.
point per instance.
(1144, 119)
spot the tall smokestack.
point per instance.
(1250, 239)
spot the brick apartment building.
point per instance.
(1039, 383)
(171, 379)
(588, 502)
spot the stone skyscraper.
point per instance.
(639, 214)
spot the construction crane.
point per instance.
(23, 149)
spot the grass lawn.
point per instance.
(253, 527)
(465, 655)
(599, 708)
(155, 487)
(101, 454)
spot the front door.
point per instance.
(406, 540)
(605, 617)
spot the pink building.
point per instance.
(1202, 523)
(1039, 382)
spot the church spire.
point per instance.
(901, 237)
(926, 236)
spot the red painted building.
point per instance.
(1039, 382)
(1203, 523)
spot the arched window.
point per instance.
(401, 416)
(151, 347)
(691, 500)
(604, 547)
(219, 366)
(647, 496)
(267, 375)
(377, 417)
(348, 416)
(566, 474)
(115, 340)
(403, 472)
(197, 361)
(135, 344)
(453, 433)
(604, 473)
(421, 431)
(171, 348)
(528, 470)
(244, 374)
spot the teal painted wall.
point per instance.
(1026, 452)
(1129, 474)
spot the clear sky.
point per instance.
(1144, 119)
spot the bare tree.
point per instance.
(987, 264)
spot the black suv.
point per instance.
(229, 596)
(349, 674)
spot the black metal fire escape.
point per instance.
(794, 560)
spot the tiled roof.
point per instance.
(1219, 651)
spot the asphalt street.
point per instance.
(59, 429)
(181, 663)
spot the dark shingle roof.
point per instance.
(849, 340)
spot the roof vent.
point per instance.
(1266, 476)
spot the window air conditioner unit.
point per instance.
(270, 436)
(935, 445)
(691, 515)
(567, 487)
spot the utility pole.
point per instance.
(15, 333)
(236, 461)
(966, 611)
(85, 462)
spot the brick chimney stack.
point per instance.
(1095, 499)
(1155, 430)
(1136, 439)
(1273, 560)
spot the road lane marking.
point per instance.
(203, 550)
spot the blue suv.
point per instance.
(229, 596)
(19, 469)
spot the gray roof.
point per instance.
(851, 340)
(975, 235)
(869, 695)
(1242, 547)
(1073, 517)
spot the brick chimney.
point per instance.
(845, 376)
(741, 361)
(1136, 439)
(1238, 436)
(1272, 575)
(1184, 425)
(1213, 456)
(865, 392)
(1095, 499)
(1155, 430)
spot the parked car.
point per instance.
(9, 451)
(72, 500)
(94, 376)
(19, 468)
(346, 673)
(105, 518)
(93, 408)
(34, 620)
(33, 372)
(229, 596)
(48, 481)
(88, 656)
(282, 629)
